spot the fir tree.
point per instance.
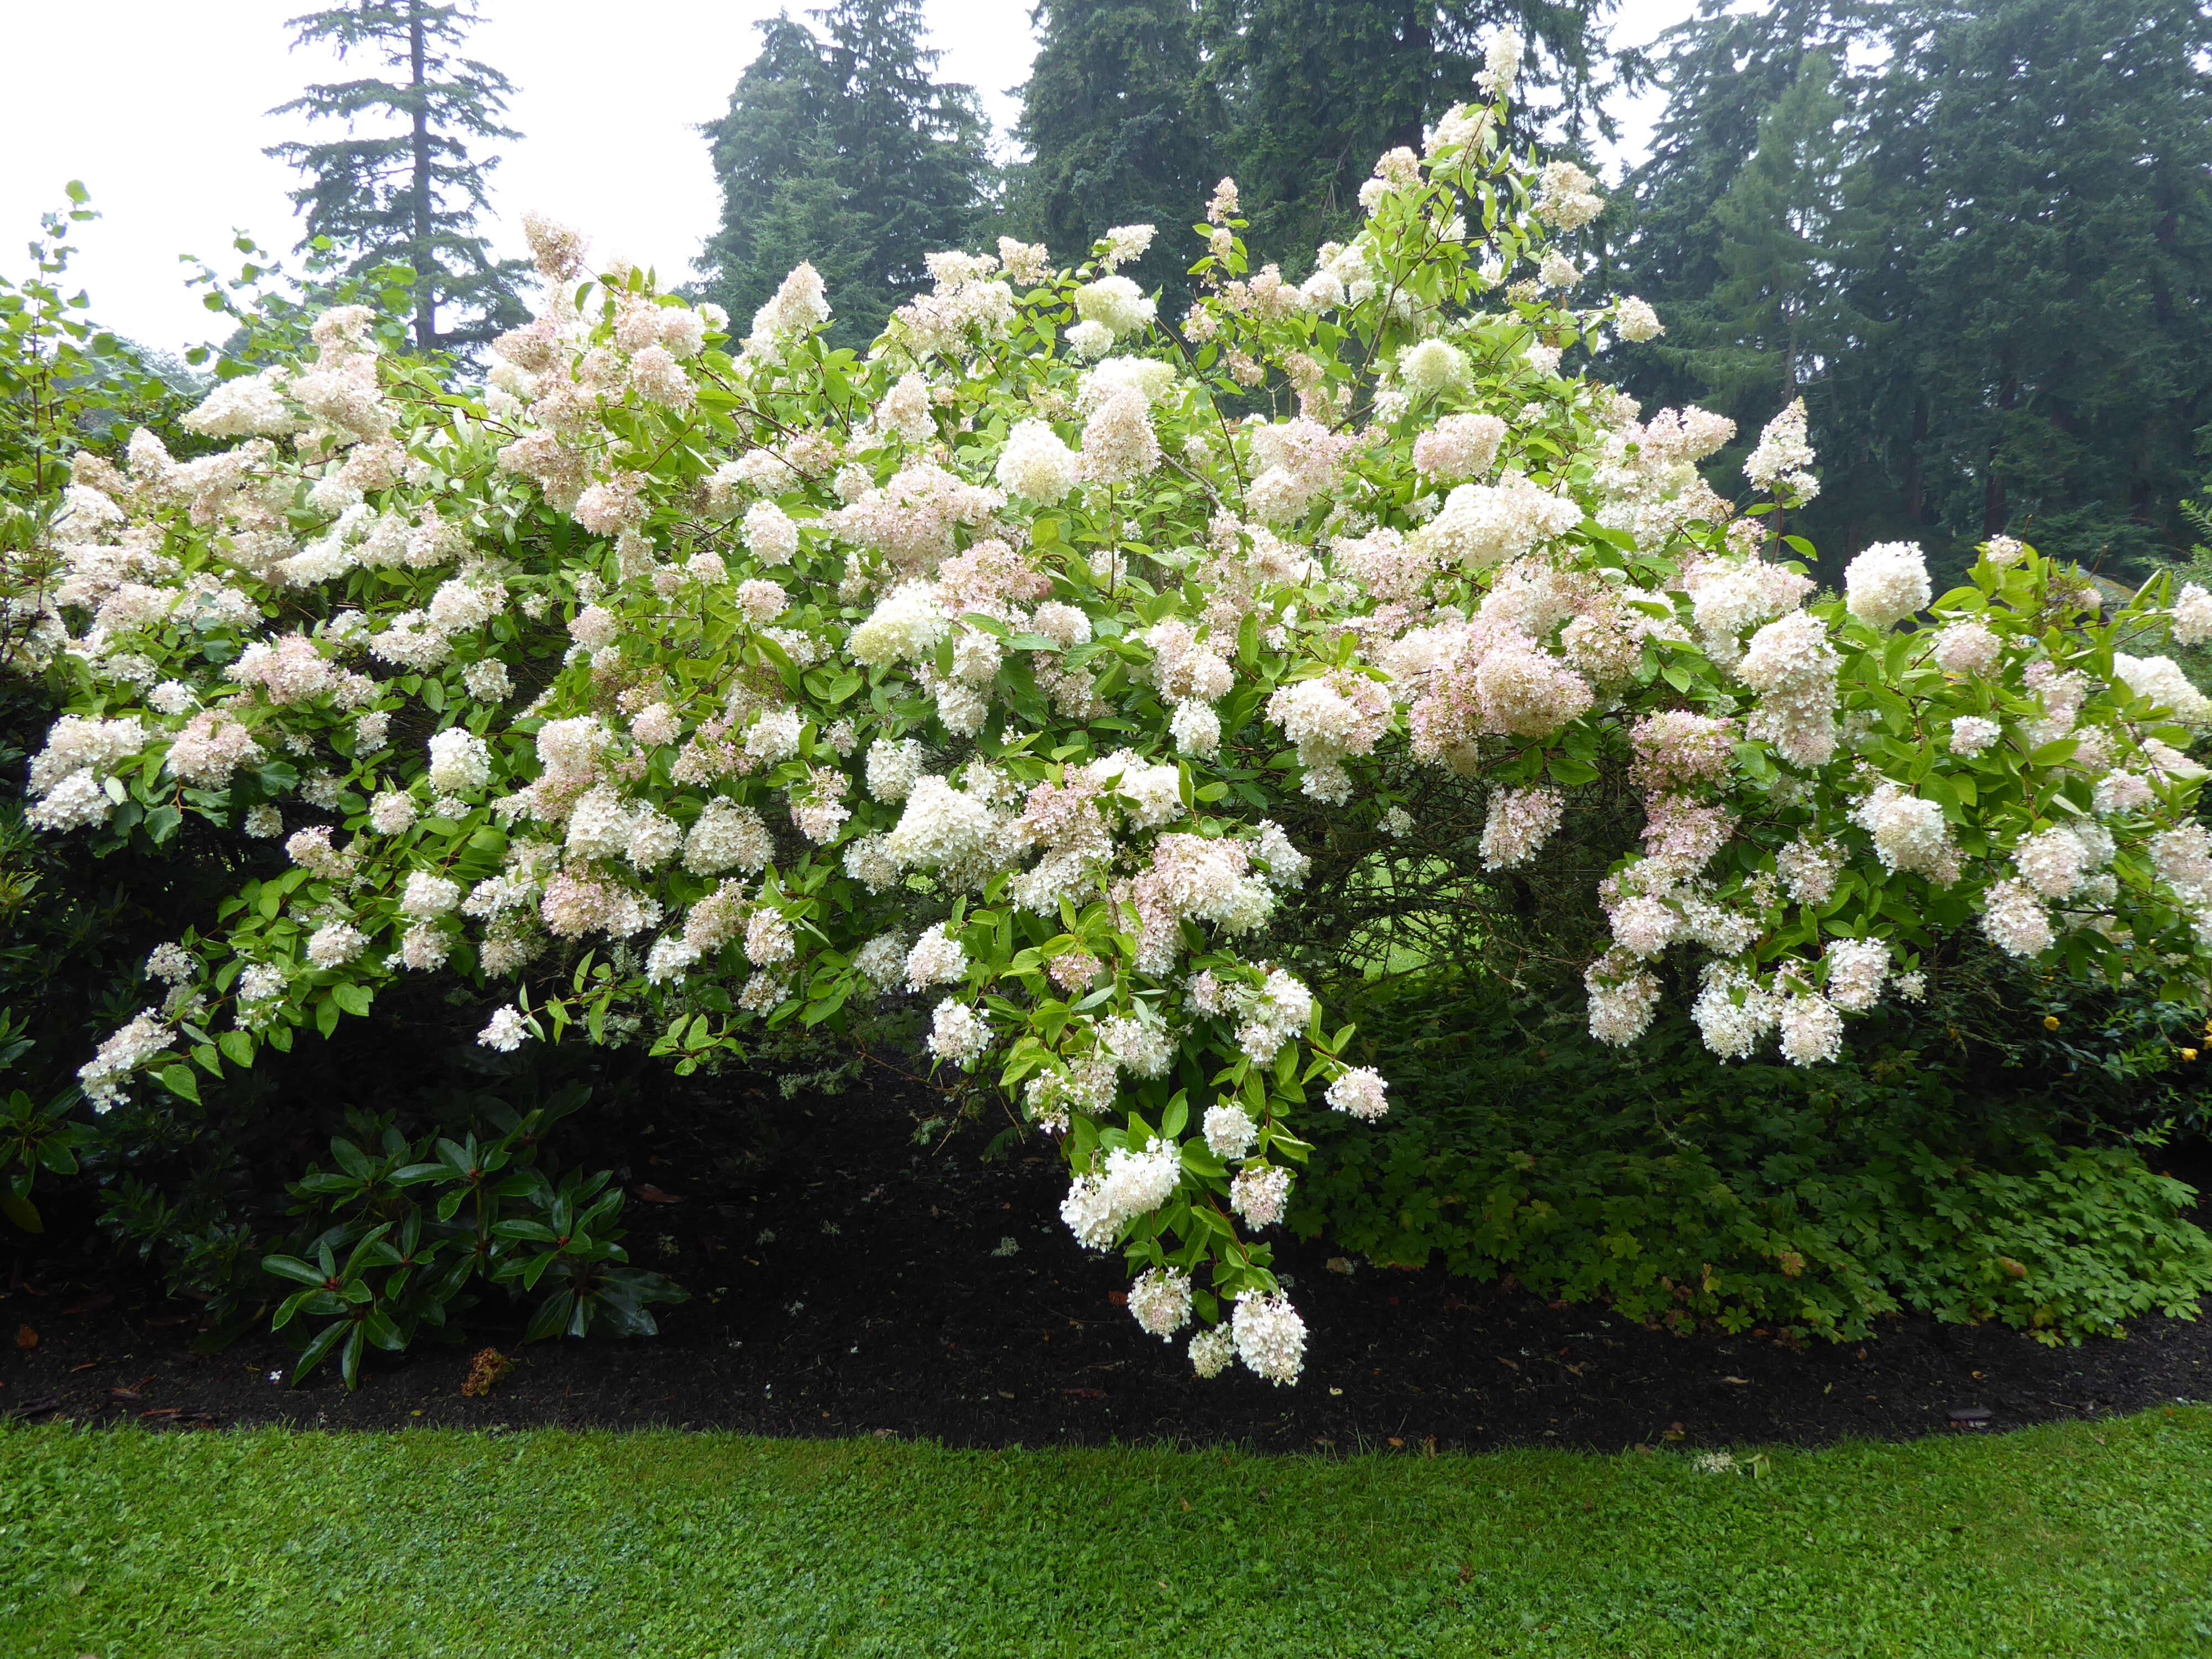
(1315, 90)
(1987, 260)
(2045, 172)
(1747, 230)
(1723, 71)
(407, 189)
(1119, 121)
(841, 149)
(1783, 234)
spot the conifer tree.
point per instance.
(840, 149)
(2045, 172)
(1724, 70)
(1119, 120)
(1315, 90)
(1783, 224)
(2004, 298)
(1760, 246)
(402, 185)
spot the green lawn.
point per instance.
(2078, 1540)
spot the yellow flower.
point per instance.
(2188, 1054)
(2051, 1021)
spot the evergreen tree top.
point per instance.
(840, 147)
(1122, 124)
(403, 185)
(1315, 90)
(1978, 237)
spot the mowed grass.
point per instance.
(2091, 1539)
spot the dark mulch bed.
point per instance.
(860, 1282)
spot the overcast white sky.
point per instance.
(168, 130)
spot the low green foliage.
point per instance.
(2074, 1540)
(1815, 1200)
(33, 1137)
(63, 379)
(417, 1224)
(399, 1238)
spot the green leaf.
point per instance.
(318, 1350)
(551, 1315)
(379, 1329)
(1199, 1161)
(290, 1266)
(180, 1080)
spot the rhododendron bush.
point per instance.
(693, 680)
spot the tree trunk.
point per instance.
(1994, 510)
(1912, 465)
(426, 298)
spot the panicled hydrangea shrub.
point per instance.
(700, 678)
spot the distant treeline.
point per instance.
(1976, 238)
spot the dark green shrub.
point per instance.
(1682, 1191)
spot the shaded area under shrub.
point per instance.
(1681, 1190)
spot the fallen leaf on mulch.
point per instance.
(654, 1195)
(26, 1337)
(1741, 1382)
(92, 1304)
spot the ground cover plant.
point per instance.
(435, 1543)
(694, 699)
(1915, 1174)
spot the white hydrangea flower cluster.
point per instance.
(1782, 463)
(1887, 583)
(1131, 1183)
(1160, 1301)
